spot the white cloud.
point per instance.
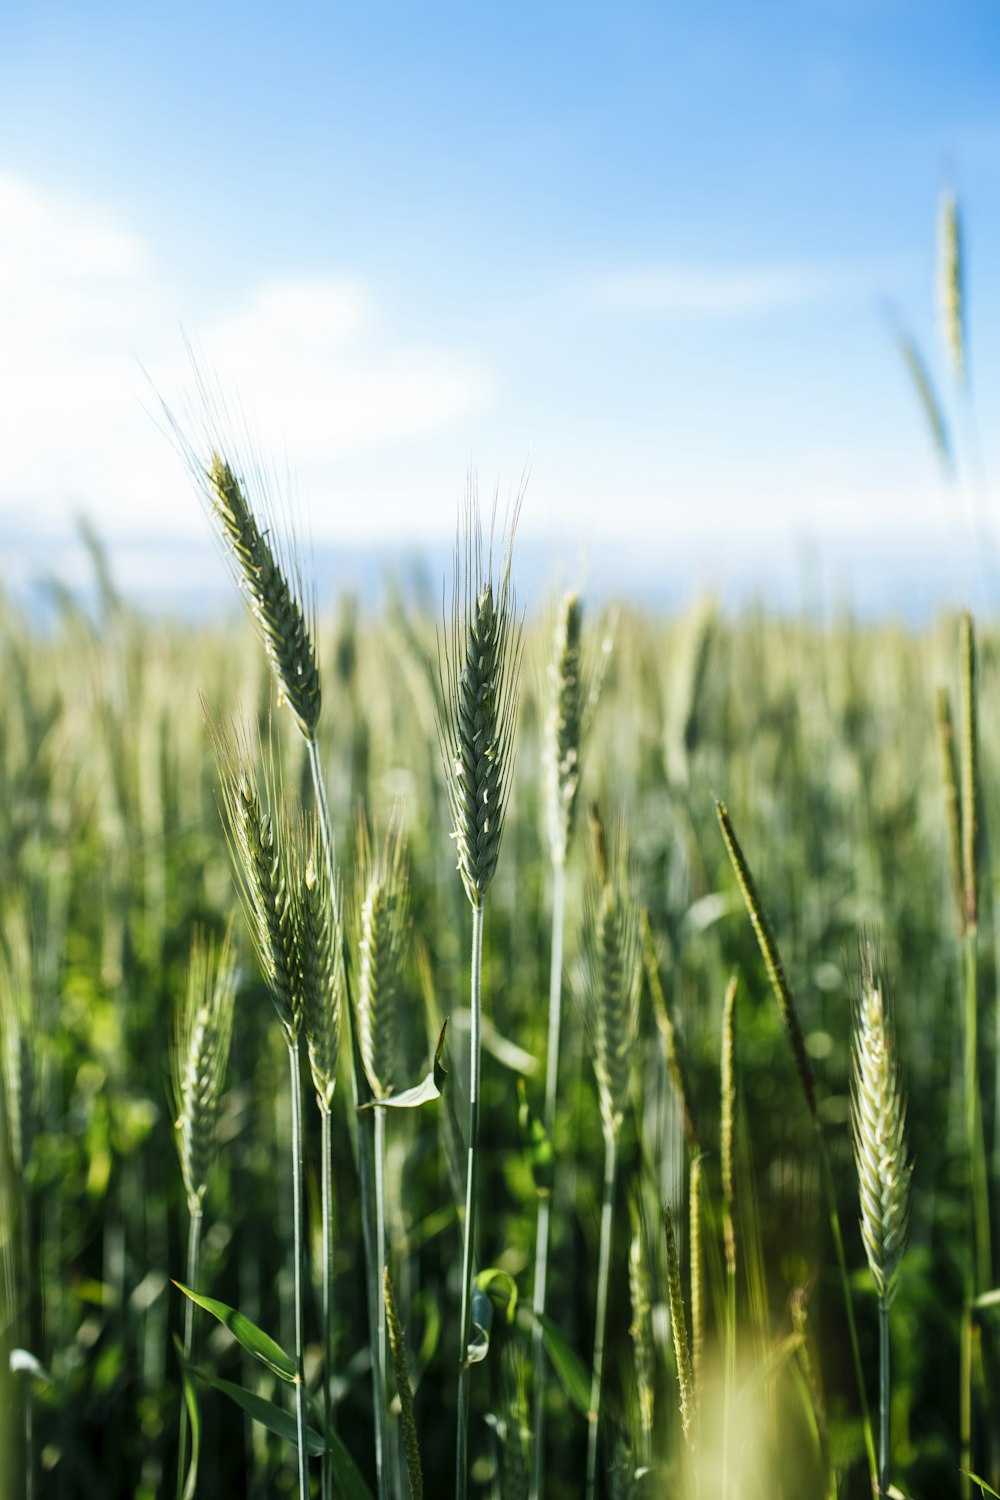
(697, 292)
(83, 301)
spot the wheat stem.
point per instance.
(727, 1139)
(298, 1237)
(361, 1095)
(326, 1191)
(193, 1260)
(545, 1199)
(603, 1276)
(468, 1246)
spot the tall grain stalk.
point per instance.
(383, 917)
(263, 865)
(878, 1118)
(612, 975)
(479, 660)
(268, 574)
(199, 1054)
(978, 1266)
(563, 735)
(321, 948)
(767, 942)
(727, 1139)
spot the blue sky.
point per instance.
(642, 247)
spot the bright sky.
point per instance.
(642, 247)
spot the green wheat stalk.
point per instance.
(478, 664)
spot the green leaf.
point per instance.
(568, 1365)
(253, 1339)
(487, 1281)
(988, 1299)
(421, 1093)
(987, 1489)
(274, 1418)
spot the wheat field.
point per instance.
(643, 1265)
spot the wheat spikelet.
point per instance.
(697, 1281)
(478, 664)
(772, 958)
(272, 587)
(727, 1132)
(640, 1329)
(969, 751)
(612, 972)
(16, 1031)
(878, 1117)
(258, 838)
(383, 923)
(203, 1024)
(243, 498)
(320, 959)
(564, 727)
(951, 285)
(678, 1323)
(668, 1033)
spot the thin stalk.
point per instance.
(603, 1274)
(545, 1202)
(852, 1327)
(326, 1174)
(979, 1257)
(965, 1394)
(299, 1251)
(464, 1369)
(883, 1397)
(729, 1390)
(193, 1262)
(361, 1094)
(380, 1256)
(980, 1193)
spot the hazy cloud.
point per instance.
(697, 292)
(83, 301)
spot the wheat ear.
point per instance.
(562, 757)
(199, 1055)
(203, 1024)
(951, 285)
(478, 664)
(383, 880)
(269, 577)
(563, 726)
(640, 1297)
(479, 659)
(612, 975)
(878, 1117)
(678, 1324)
